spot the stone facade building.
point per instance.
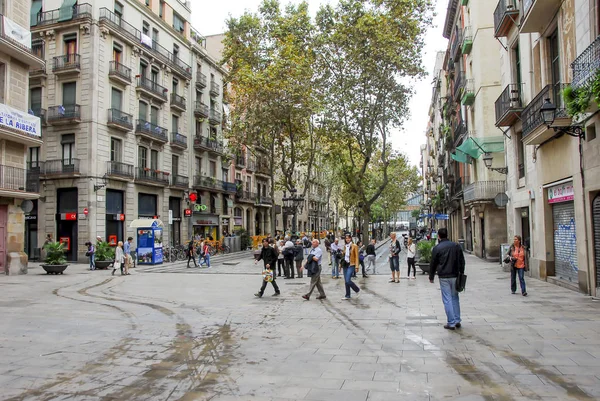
(132, 105)
(20, 130)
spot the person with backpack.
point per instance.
(190, 252)
(370, 258)
(269, 257)
(306, 244)
(90, 252)
(288, 258)
(448, 260)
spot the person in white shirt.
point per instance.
(411, 252)
(288, 258)
(335, 258)
(315, 256)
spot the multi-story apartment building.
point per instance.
(132, 104)
(20, 130)
(553, 178)
(473, 84)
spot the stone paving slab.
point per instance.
(158, 335)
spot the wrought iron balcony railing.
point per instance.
(202, 142)
(154, 176)
(215, 89)
(201, 110)
(118, 169)
(123, 120)
(152, 87)
(66, 62)
(455, 48)
(586, 65)
(152, 130)
(214, 117)
(200, 80)
(531, 116)
(229, 187)
(208, 182)
(61, 166)
(459, 84)
(505, 15)
(17, 179)
(67, 112)
(178, 101)
(240, 161)
(119, 70)
(178, 139)
(55, 16)
(180, 181)
(509, 106)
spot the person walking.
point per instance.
(305, 244)
(119, 259)
(349, 265)
(517, 256)
(448, 260)
(313, 269)
(411, 251)
(278, 250)
(371, 256)
(327, 244)
(298, 257)
(288, 258)
(127, 252)
(269, 257)
(205, 253)
(361, 258)
(190, 252)
(90, 252)
(335, 258)
(395, 258)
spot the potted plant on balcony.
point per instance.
(424, 249)
(104, 256)
(55, 261)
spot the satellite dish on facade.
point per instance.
(27, 206)
(501, 200)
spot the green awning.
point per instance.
(460, 157)
(36, 8)
(65, 13)
(476, 147)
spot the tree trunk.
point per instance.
(366, 214)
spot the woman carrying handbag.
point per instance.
(517, 257)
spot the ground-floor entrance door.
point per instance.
(565, 242)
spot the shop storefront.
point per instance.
(115, 217)
(206, 225)
(561, 200)
(175, 221)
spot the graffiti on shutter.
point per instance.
(596, 220)
(565, 242)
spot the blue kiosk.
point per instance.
(149, 234)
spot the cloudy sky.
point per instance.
(210, 19)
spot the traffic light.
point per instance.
(193, 197)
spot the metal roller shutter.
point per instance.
(596, 220)
(565, 242)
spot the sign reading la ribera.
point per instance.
(561, 193)
(20, 121)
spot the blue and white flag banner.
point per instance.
(20, 121)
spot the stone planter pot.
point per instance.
(103, 264)
(424, 266)
(54, 269)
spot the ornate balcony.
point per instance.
(586, 65)
(204, 143)
(214, 117)
(64, 114)
(264, 201)
(119, 171)
(203, 182)
(66, 64)
(61, 167)
(215, 89)
(229, 187)
(41, 113)
(180, 181)
(178, 140)
(118, 72)
(17, 182)
(148, 176)
(75, 14)
(467, 40)
(120, 120)
(240, 161)
(178, 102)
(200, 80)
(509, 106)
(262, 168)
(251, 165)
(483, 191)
(534, 130)
(246, 197)
(151, 131)
(459, 84)
(152, 89)
(455, 48)
(201, 110)
(505, 16)
(460, 132)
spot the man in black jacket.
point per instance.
(448, 260)
(269, 257)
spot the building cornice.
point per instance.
(450, 17)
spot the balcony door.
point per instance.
(69, 90)
(117, 99)
(68, 151)
(555, 68)
(35, 97)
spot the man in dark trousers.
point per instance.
(190, 252)
(448, 260)
(269, 257)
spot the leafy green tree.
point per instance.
(367, 52)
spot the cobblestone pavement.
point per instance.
(156, 335)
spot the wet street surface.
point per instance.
(172, 333)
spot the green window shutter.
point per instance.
(65, 13)
(36, 8)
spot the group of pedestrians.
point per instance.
(122, 260)
(202, 251)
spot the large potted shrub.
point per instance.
(55, 261)
(104, 256)
(424, 249)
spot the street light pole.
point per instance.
(292, 203)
